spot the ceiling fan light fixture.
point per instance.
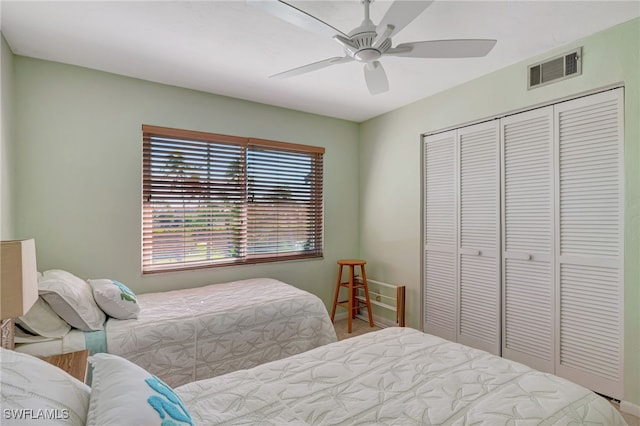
(367, 55)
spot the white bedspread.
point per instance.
(198, 333)
(395, 376)
(193, 334)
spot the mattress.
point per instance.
(394, 376)
(198, 333)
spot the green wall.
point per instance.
(6, 138)
(390, 172)
(78, 184)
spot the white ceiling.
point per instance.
(231, 48)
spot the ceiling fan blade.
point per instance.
(313, 67)
(400, 14)
(376, 78)
(462, 48)
(295, 16)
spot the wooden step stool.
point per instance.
(352, 304)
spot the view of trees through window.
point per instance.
(213, 200)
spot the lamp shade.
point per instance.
(18, 277)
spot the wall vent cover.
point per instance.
(555, 69)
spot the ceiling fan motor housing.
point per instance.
(363, 38)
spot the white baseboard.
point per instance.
(629, 407)
(340, 315)
(377, 320)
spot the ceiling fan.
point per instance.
(368, 42)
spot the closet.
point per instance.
(523, 238)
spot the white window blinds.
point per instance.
(214, 200)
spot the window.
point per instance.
(214, 200)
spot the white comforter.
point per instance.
(394, 376)
(198, 333)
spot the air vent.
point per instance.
(555, 69)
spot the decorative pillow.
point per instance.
(115, 298)
(43, 321)
(71, 298)
(123, 393)
(34, 391)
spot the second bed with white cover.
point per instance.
(396, 376)
(198, 333)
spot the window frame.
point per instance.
(246, 145)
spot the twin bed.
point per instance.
(193, 334)
(393, 376)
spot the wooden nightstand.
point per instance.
(74, 363)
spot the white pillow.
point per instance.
(40, 392)
(115, 298)
(71, 298)
(22, 336)
(43, 321)
(123, 393)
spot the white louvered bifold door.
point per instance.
(527, 238)
(440, 235)
(479, 241)
(589, 242)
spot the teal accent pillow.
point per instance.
(123, 393)
(168, 405)
(115, 299)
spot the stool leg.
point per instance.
(355, 309)
(335, 298)
(366, 294)
(351, 289)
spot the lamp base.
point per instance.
(7, 337)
